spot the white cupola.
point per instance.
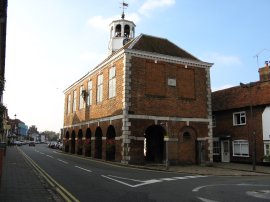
(121, 31)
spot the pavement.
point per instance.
(20, 181)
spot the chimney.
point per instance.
(265, 72)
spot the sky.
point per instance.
(53, 43)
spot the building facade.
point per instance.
(241, 117)
(148, 101)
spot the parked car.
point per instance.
(32, 143)
(52, 145)
(18, 143)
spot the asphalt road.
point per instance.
(90, 180)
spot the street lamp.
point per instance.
(253, 134)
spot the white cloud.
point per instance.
(150, 5)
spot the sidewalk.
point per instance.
(20, 182)
(217, 169)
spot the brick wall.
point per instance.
(108, 106)
(152, 95)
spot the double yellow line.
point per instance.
(67, 196)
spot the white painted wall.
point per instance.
(266, 123)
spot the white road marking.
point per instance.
(130, 185)
(62, 161)
(41, 153)
(206, 200)
(50, 156)
(214, 185)
(144, 182)
(167, 179)
(83, 169)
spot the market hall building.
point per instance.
(148, 101)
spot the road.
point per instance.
(90, 180)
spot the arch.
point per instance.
(118, 30)
(110, 143)
(98, 143)
(73, 136)
(187, 145)
(79, 142)
(66, 142)
(154, 136)
(87, 145)
(127, 31)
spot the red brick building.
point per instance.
(241, 120)
(148, 101)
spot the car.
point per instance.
(17, 143)
(32, 144)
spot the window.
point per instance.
(69, 104)
(239, 118)
(240, 148)
(112, 82)
(267, 149)
(89, 94)
(74, 100)
(81, 104)
(216, 148)
(99, 88)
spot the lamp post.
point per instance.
(253, 134)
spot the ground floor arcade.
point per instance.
(141, 141)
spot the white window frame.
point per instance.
(68, 103)
(99, 88)
(243, 148)
(242, 115)
(89, 94)
(74, 100)
(81, 103)
(112, 82)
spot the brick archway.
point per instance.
(87, 144)
(154, 136)
(187, 145)
(79, 142)
(110, 143)
(73, 143)
(98, 143)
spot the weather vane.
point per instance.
(123, 6)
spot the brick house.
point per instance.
(241, 117)
(148, 101)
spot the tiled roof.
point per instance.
(257, 93)
(161, 46)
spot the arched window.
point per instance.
(118, 30)
(127, 31)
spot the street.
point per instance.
(90, 180)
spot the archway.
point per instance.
(73, 136)
(110, 143)
(187, 145)
(67, 142)
(98, 143)
(154, 136)
(79, 142)
(87, 144)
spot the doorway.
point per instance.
(225, 151)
